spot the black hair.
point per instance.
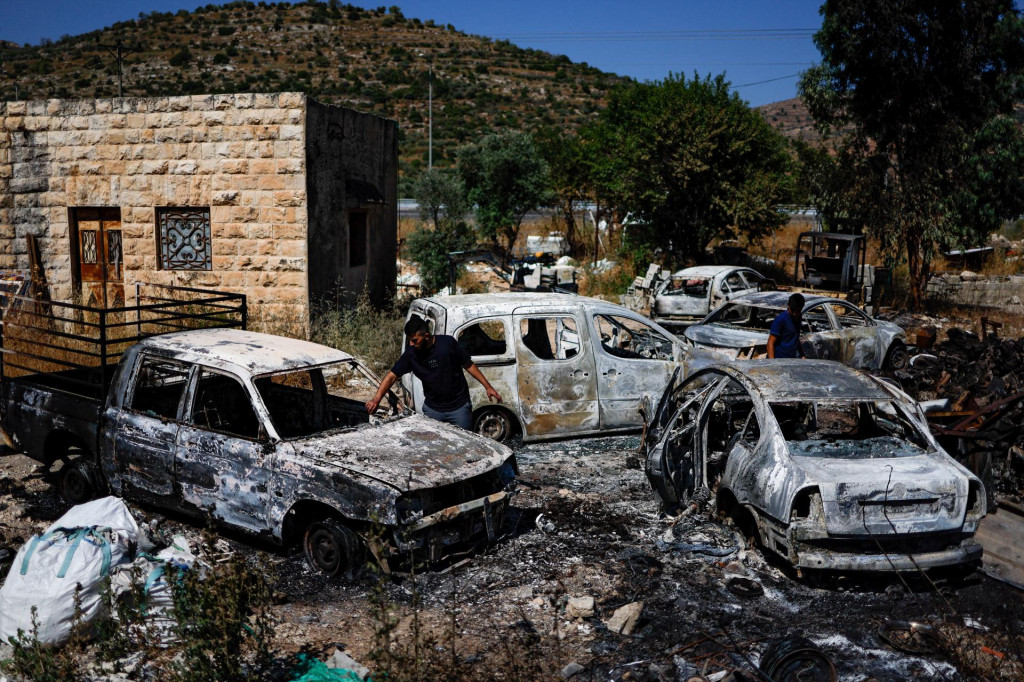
(415, 325)
(796, 303)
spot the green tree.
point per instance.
(691, 162)
(444, 205)
(925, 88)
(568, 176)
(507, 178)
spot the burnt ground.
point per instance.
(585, 523)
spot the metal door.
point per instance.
(555, 374)
(634, 361)
(222, 458)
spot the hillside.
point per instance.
(791, 118)
(371, 60)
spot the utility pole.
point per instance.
(119, 53)
(430, 117)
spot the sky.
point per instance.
(760, 45)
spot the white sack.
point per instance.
(79, 548)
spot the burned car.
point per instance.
(826, 466)
(270, 436)
(564, 365)
(691, 293)
(830, 329)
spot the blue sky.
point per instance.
(761, 45)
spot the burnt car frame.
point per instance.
(270, 436)
(824, 465)
(688, 295)
(831, 329)
(564, 365)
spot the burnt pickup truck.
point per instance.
(263, 434)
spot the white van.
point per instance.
(564, 365)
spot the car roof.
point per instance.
(243, 352)
(782, 380)
(707, 270)
(506, 302)
(780, 299)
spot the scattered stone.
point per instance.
(625, 618)
(580, 607)
(684, 669)
(343, 661)
(571, 669)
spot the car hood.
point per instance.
(408, 453)
(724, 337)
(921, 493)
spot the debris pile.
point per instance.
(975, 388)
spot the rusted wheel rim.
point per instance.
(494, 424)
(323, 548)
(76, 487)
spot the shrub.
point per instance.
(372, 334)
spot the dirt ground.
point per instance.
(586, 524)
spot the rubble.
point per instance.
(580, 607)
(625, 618)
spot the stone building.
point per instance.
(276, 196)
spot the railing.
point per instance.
(76, 347)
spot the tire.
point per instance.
(333, 548)
(79, 482)
(494, 423)
(897, 358)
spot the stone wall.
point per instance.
(970, 289)
(241, 155)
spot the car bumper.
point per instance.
(456, 525)
(810, 549)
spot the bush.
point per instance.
(374, 335)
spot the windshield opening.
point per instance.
(848, 429)
(305, 402)
(687, 286)
(744, 316)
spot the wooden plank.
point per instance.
(1001, 534)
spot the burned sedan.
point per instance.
(831, 329)
(826, 466)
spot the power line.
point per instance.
(770, 80)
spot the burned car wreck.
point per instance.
(830, 329)
(823, 465)
(270, 436)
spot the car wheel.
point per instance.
(897, 357)
(494, 423)
(78, 482)
(333, 548)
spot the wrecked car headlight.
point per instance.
(976, 502)
(808, 508)
(410, 509)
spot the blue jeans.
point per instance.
(460, 416)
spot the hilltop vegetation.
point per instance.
(374, 60)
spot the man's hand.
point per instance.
(493, 395)
(372, 405)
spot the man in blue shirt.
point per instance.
(437, 361)
(784, 335)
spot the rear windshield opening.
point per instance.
(851, 429)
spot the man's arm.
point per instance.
(386, 383)
(771, 345)
(475, 372)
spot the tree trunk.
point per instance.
(917, 270)
(570, 227)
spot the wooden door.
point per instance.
(97, 255)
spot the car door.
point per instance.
(818, 335)
(487, 342)
(555, 374)
(146, 428)
(223, 460)
(860, 342)
(634, 360)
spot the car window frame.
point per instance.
(483, 360)
(597, 341)
(185, 417)
(837, 320)
(128, 403)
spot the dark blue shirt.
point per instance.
(439, 368)
(787, 336)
